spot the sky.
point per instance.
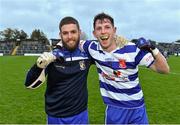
(157, 20)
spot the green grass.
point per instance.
(162, 93)
(21, 106)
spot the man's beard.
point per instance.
(71, 48)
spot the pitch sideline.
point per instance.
(174, 73)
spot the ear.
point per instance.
(115, 29)
(80, 32)
(94, 33)
(60, 35)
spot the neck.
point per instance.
(112, 47)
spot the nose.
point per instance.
(69, 35)
(103, 30)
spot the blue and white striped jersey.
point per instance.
(118, 73)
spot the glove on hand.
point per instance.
(144, 44)
(45, 59)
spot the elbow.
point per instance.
(166, 70)
(28, 86)
(35, 84)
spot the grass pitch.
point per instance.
(21, 106)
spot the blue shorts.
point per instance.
(117, 115)
(81, 118)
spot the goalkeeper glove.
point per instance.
(45, 59)
(144, 44)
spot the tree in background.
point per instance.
(38, 35)
(7, 34)
(23, 35)
(13, 34)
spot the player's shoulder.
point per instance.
(131, 43)
(92, 41)
(127, 44)
(128, 47)
(88, 42)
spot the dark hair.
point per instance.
(68, 20)
(102, 16)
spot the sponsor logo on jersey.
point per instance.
(109, 59)
(59, 66)
(117, 73)
(116, 76)
(149, 58)
(109, 77)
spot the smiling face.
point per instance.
(105, 32)
(70, 35)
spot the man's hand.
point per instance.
(45, 59)
(144, 44)
(58, 54)
(121, 41)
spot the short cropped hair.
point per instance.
(68, 20)
(102, 16)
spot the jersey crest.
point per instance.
(122, 63)
(82, 65)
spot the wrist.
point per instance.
(40, 66)
(155, 51)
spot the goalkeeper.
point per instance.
(66, 68)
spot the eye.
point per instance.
(73, 31)
(64, 33)
(108, 27)
(98, 28)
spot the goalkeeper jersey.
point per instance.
(118, 73)
(66, 92)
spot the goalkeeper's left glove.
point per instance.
(144, 44)
(45, 59)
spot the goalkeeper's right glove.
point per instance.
(144, 44)
(45, 59)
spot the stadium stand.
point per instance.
(6, 47)
(166, 48)
(23, 47)
(33, 47)
(171, 48)
(54, 42)
(36, 47)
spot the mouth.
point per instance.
(71, 41)
(104, 37)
